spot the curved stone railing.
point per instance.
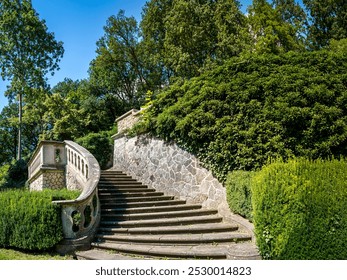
(81, 216)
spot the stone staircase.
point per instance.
(140, 222)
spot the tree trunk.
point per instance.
(19, 151)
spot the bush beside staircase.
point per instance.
(139, 221)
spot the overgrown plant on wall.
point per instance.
(253, 108)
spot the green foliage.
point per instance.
(300, 209)
(28, 53)
(187, 36)
(118, 67)
(338, 45)
(258, 107)
(29, 220)
(327, 21)
(8, 134)
(271, 29)
(75, 109)
(16, 175)
(3, 174)
(238, 188)
(100, 145)
(11, 254)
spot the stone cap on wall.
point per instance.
(127, 121)
(133, 112)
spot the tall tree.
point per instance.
(118, 67)
(188, 35)
(153, 31)
(272, 28)
(232, 30)
(328, 20)
(293, 13)
(28, 52)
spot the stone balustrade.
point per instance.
(78, 170)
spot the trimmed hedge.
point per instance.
(239, 195)
(300, 209)
(29, 220)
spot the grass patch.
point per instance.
(11, 254)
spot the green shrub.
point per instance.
(15, 175)
(238, 115)
(100, 145)
(3, 175)
(300, 209)
(238, 188)
(29, 220)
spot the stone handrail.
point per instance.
(80, 216)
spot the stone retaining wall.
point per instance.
(168, 168)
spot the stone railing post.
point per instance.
(47, 165)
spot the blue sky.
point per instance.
(79, 25)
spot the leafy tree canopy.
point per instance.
(27, 52)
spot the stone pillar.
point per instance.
(47, 166)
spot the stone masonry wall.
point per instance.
(170, 169)
(49, 180)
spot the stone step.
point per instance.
(175, 238)
(119, 183)
(143, 198)
(111, 173)
(157, 215)
(162, 222)
(142, 195)
(116, 179)
(125, 190)
(183, 229)
(121, 177)
(102, 189)
(183, 251)
(115, 186)
(97, 254)
(151, 209)
(116, 175)
(136, 219)
(118, 251)
(141, 204)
